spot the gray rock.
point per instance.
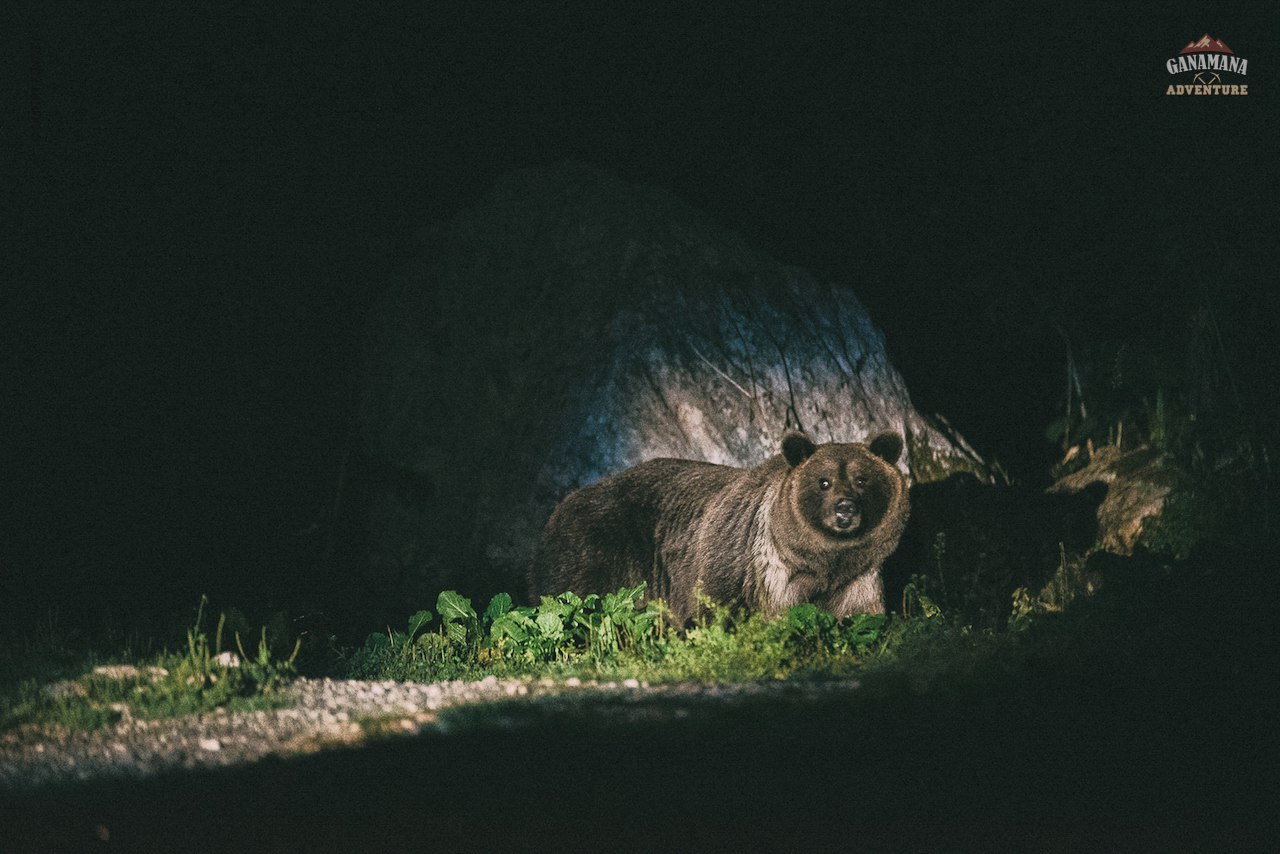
(571, 325)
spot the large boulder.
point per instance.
(571, 325)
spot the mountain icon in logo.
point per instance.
(1206, 44)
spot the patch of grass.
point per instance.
(611, 635)
(1089, 634)
(1082, 629)
(200, 678)
(728, 646)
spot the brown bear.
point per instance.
(812, 524)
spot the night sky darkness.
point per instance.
(207, 197)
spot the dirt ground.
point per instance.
(1038, 764)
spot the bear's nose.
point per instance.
(846, 514)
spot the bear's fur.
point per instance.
(812, 524)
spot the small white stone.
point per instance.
(227, 659)
(572, 682)
(631, 683)
(210, 744)
(64, 689)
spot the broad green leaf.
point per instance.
(606, 631)
(631, 594)
(643, 622)
(550, 627)
(864, 628)
(513, 625)
(418, 620)
(456, 632)
(498, 606)
(551, 605)
(454, 607)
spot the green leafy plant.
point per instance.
(561, 629)
(616, 634)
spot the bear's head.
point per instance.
(844, 491)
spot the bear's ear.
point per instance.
(797, 447)
(886, 446)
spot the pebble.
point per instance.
(65, 689)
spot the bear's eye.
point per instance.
(861, 480)
(823, 483)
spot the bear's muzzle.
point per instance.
(847, 515)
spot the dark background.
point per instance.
(207, 197)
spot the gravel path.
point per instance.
(326, 713)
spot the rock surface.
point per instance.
(1139, 483)
(571, 325)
